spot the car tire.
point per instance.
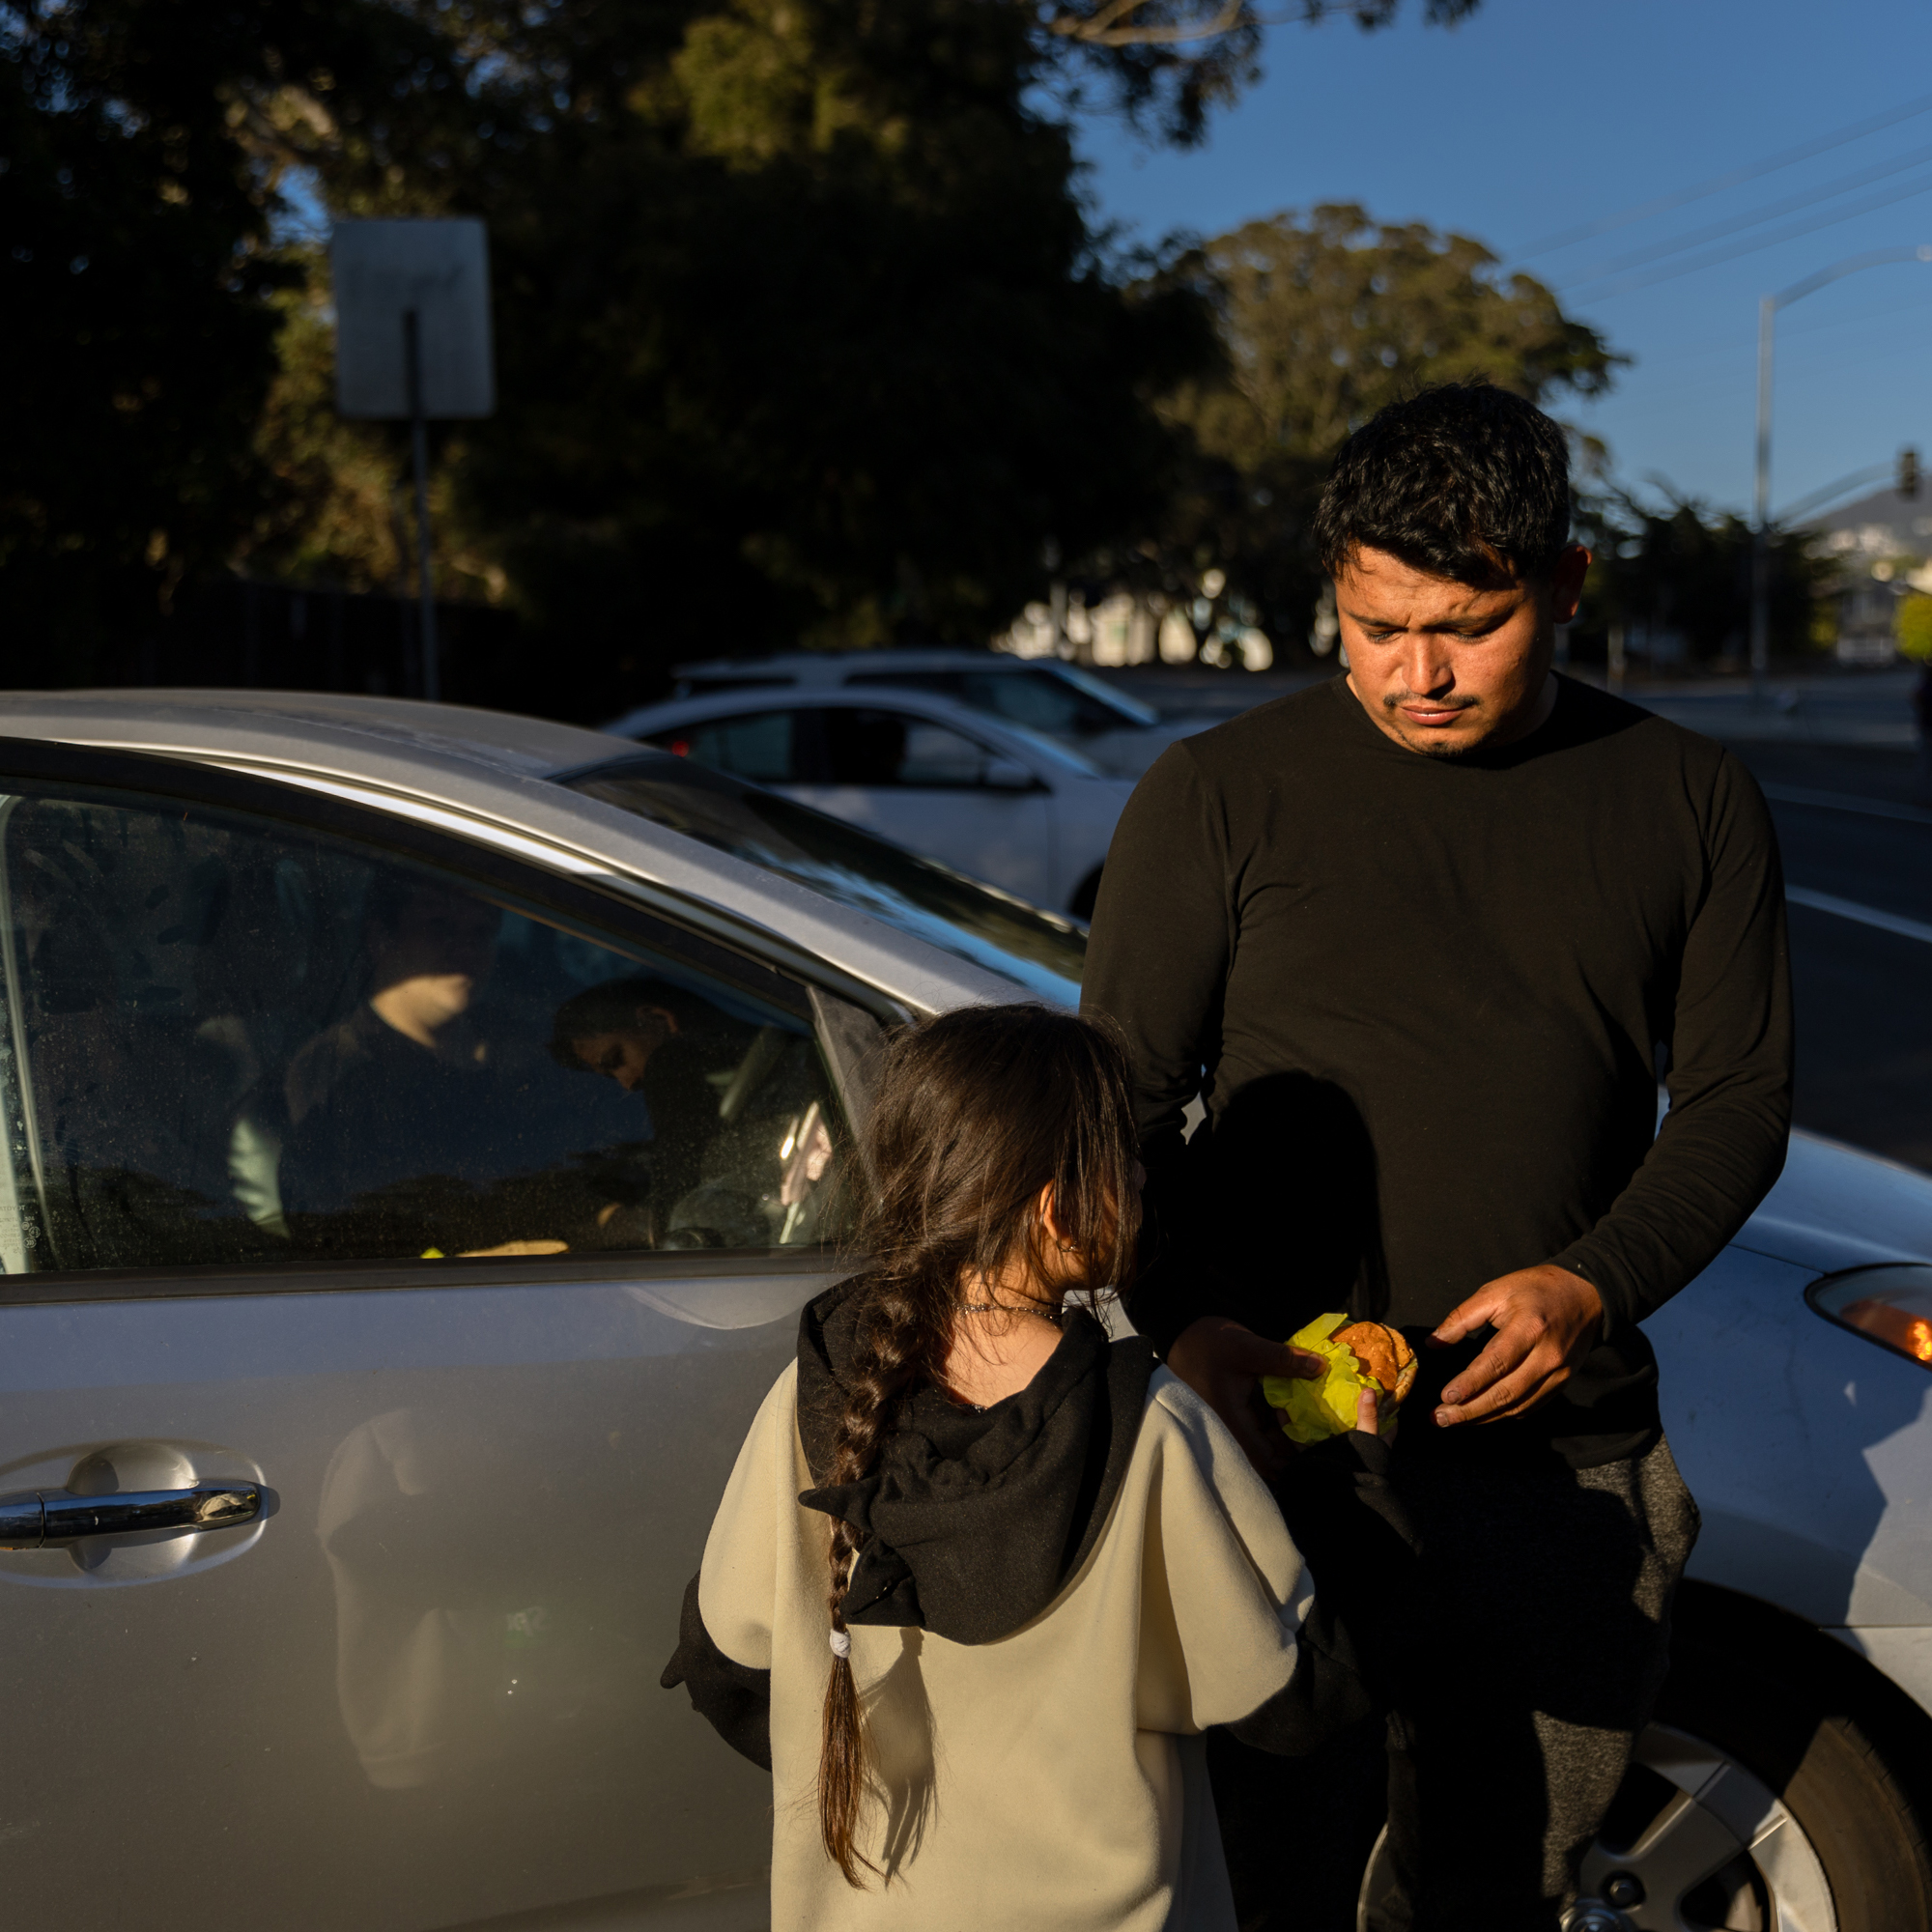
(1829, 1739)
(1776, 1790)
(1081, 905)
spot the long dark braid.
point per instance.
(895, 1349)
(977, 1112)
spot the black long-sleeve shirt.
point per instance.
(1424, 1003)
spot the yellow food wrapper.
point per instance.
(1311, 1411)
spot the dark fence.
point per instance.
(279, 636)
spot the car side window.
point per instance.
(233, 1039)
(897, 747)
(762, 746)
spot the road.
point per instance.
(1863, 993)
(1835, 758)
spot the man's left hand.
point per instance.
(1546, 1320)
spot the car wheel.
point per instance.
(1081, 905)
(1758, 1801)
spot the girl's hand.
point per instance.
(1369, 1412)
(1223, 1363)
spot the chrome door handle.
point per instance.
(58, 1516)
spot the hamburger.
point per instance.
(1359, 1355)
(1383, 1356)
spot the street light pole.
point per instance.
(1760, 580)
(1767, 315)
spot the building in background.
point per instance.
(1882, 544)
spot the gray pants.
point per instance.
(1545, 1637)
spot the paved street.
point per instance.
(1863, 993)
(1835, 756)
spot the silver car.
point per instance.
(992, 798)
(424, 1127)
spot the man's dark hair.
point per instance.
(1463, 480)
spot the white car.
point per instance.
(988, 797)
(339, 1564)
(1060, 700)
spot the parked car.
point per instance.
(345, 1531)
(1060, 700)
(990, 798)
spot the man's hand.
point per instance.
(1546, 1320)
(1223, 1363)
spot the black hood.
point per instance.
(973, 1518)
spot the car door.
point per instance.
(397, 1243)
(938, 792)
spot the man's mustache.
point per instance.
(1435, 703)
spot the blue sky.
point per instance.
(1539, 116)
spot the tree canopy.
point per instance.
(137, 286)
(1682, 571)
(1323, 318)
(803, 329)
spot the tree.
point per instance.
(802, 333)
(803, 330)
(137, 289)
(1325, 318)
(1682, 573)
(1169, 61)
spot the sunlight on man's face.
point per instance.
(1442, 666)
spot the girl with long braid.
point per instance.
(981, 1579)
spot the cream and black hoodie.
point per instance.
(1055, 1599)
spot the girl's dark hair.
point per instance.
(977, 1112)
(1464, 480)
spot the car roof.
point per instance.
(476, 771)
(497, 739)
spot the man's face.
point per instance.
(622, 1054)
(1442, 666)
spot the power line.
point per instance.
(1640, 402)
(1664, 203)
(1706, 348)
(1770, 212)
(1629, 284)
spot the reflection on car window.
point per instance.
(762, 747)
(233, 1041)
(973, 921)
(893, 748)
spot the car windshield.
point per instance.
(1042, 952)
(1053, 699)
(1084, 680)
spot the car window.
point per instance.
(1045, 699)
(761, 746)
(1041, 952)
(233, 1039)
(896, 748)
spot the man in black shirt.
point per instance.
(1422, 940)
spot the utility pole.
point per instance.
(413, 341)
(432, 684)
(1767, 315)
